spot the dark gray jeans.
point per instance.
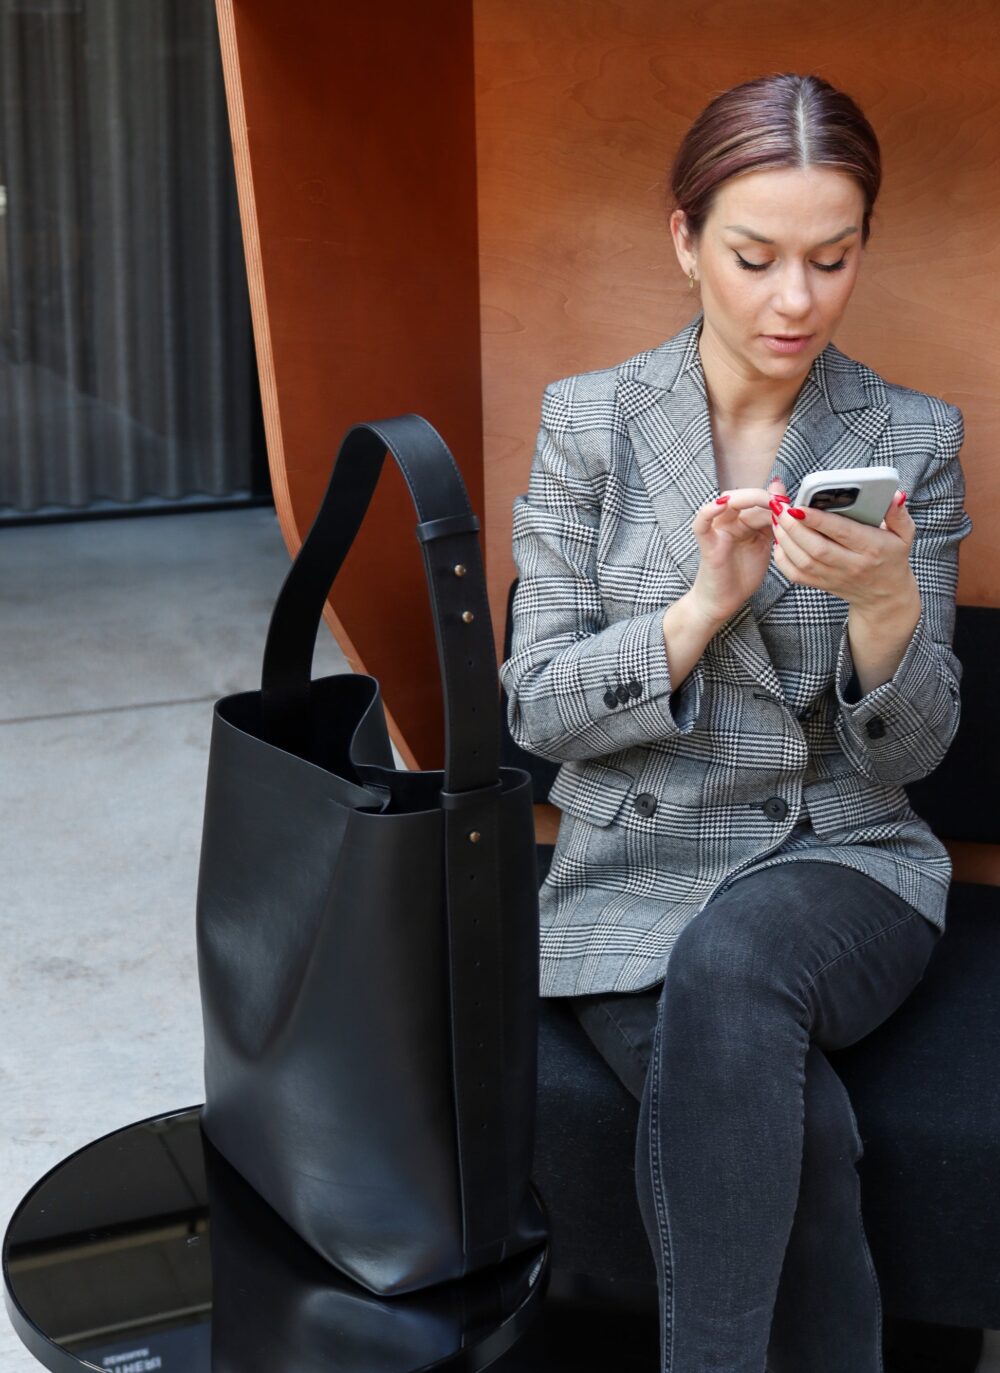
(747, 1145)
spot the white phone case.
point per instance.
(860, 493)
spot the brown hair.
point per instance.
(774, 121)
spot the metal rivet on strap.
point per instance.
(474, 836)
(467, 617)
(460, 569)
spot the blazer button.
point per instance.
(611, 700)
(622, 693)
(645, 804)
(635, 689)
(775, 808)
(875, 728)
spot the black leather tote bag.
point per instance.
(368, 937)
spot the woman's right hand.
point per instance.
(735, 540)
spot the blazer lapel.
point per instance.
(835, 422)
(666, 411)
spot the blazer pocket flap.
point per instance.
(841, 805)
(590, 791)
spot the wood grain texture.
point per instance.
(287, 517)
(353, 137)
(580, 107)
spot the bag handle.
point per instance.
(447, 531)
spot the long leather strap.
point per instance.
(447, 531)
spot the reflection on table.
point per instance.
(147, 1251)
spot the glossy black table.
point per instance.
(146, 1251)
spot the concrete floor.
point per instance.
(116, 636)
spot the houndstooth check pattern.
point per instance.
(764, 754)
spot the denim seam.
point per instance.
(875, 1288)
(879, 934)
(662, 1215)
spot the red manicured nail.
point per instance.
(796, 513)
(779, 497)
(774, 519)
(902, 498)
(776, 507)
(721, 500)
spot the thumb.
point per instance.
(897, 517)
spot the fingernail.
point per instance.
(798, 514)
(774, 519)
(780, 497)
(902, 498)
(721, 500)
(776, 507)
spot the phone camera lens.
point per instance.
(835, 497)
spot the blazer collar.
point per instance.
(836, 421)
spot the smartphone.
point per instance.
(860, 493)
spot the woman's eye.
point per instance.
(832, 266)
(751, 266)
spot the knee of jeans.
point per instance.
(716, 952)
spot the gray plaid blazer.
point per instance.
(766, 753)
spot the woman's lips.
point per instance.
(784, 343)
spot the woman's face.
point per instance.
(776, 260)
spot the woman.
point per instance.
(737, 690)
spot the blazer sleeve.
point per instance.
(901, 730)
(567, 663)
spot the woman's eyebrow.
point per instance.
(759, 238)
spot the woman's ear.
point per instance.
(684, 245)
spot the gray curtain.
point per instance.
(126, 362)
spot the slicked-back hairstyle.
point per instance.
(774, 121)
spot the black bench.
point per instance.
(925, 1088)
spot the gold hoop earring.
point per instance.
(691, 279)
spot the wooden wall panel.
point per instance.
(580, 105)
(353, 135)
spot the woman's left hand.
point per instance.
(865, 566)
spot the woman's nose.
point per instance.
(793, 296)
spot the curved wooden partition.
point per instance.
(363, 146)
(353, 136)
